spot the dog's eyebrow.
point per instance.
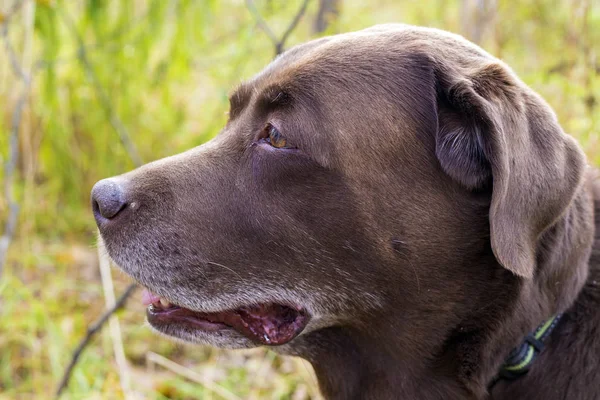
(239, 99)
(269, 99)
(273, 97)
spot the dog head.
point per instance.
(386, 185)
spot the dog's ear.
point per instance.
(492, 130)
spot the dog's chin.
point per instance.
(226, 338)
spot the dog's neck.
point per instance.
(351, 366)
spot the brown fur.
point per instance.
(433, 214)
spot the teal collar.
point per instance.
(521, 358)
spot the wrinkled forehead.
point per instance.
(360, 72)
(333, 59)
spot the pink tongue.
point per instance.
(149, 298)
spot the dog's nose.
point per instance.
(108, 198)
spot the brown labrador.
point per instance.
(393, 205)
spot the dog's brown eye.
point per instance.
(275, 138)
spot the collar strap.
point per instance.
(521, 358)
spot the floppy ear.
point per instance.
(493, 130)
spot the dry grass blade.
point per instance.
(113, 322)
(191, 375)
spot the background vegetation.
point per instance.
(159, 71)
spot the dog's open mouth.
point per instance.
(267, 324)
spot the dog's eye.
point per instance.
(275, 138)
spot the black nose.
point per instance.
(108, 198)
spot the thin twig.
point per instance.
(260, 21)
(91, 331)
(292, 26)
(103, 98)
(13, 152)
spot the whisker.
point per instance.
(223, 266)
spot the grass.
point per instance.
(167, 68)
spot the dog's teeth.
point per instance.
(165, 303)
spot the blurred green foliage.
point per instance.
(164, 69)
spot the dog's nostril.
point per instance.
(95, 206)
(108, 198)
